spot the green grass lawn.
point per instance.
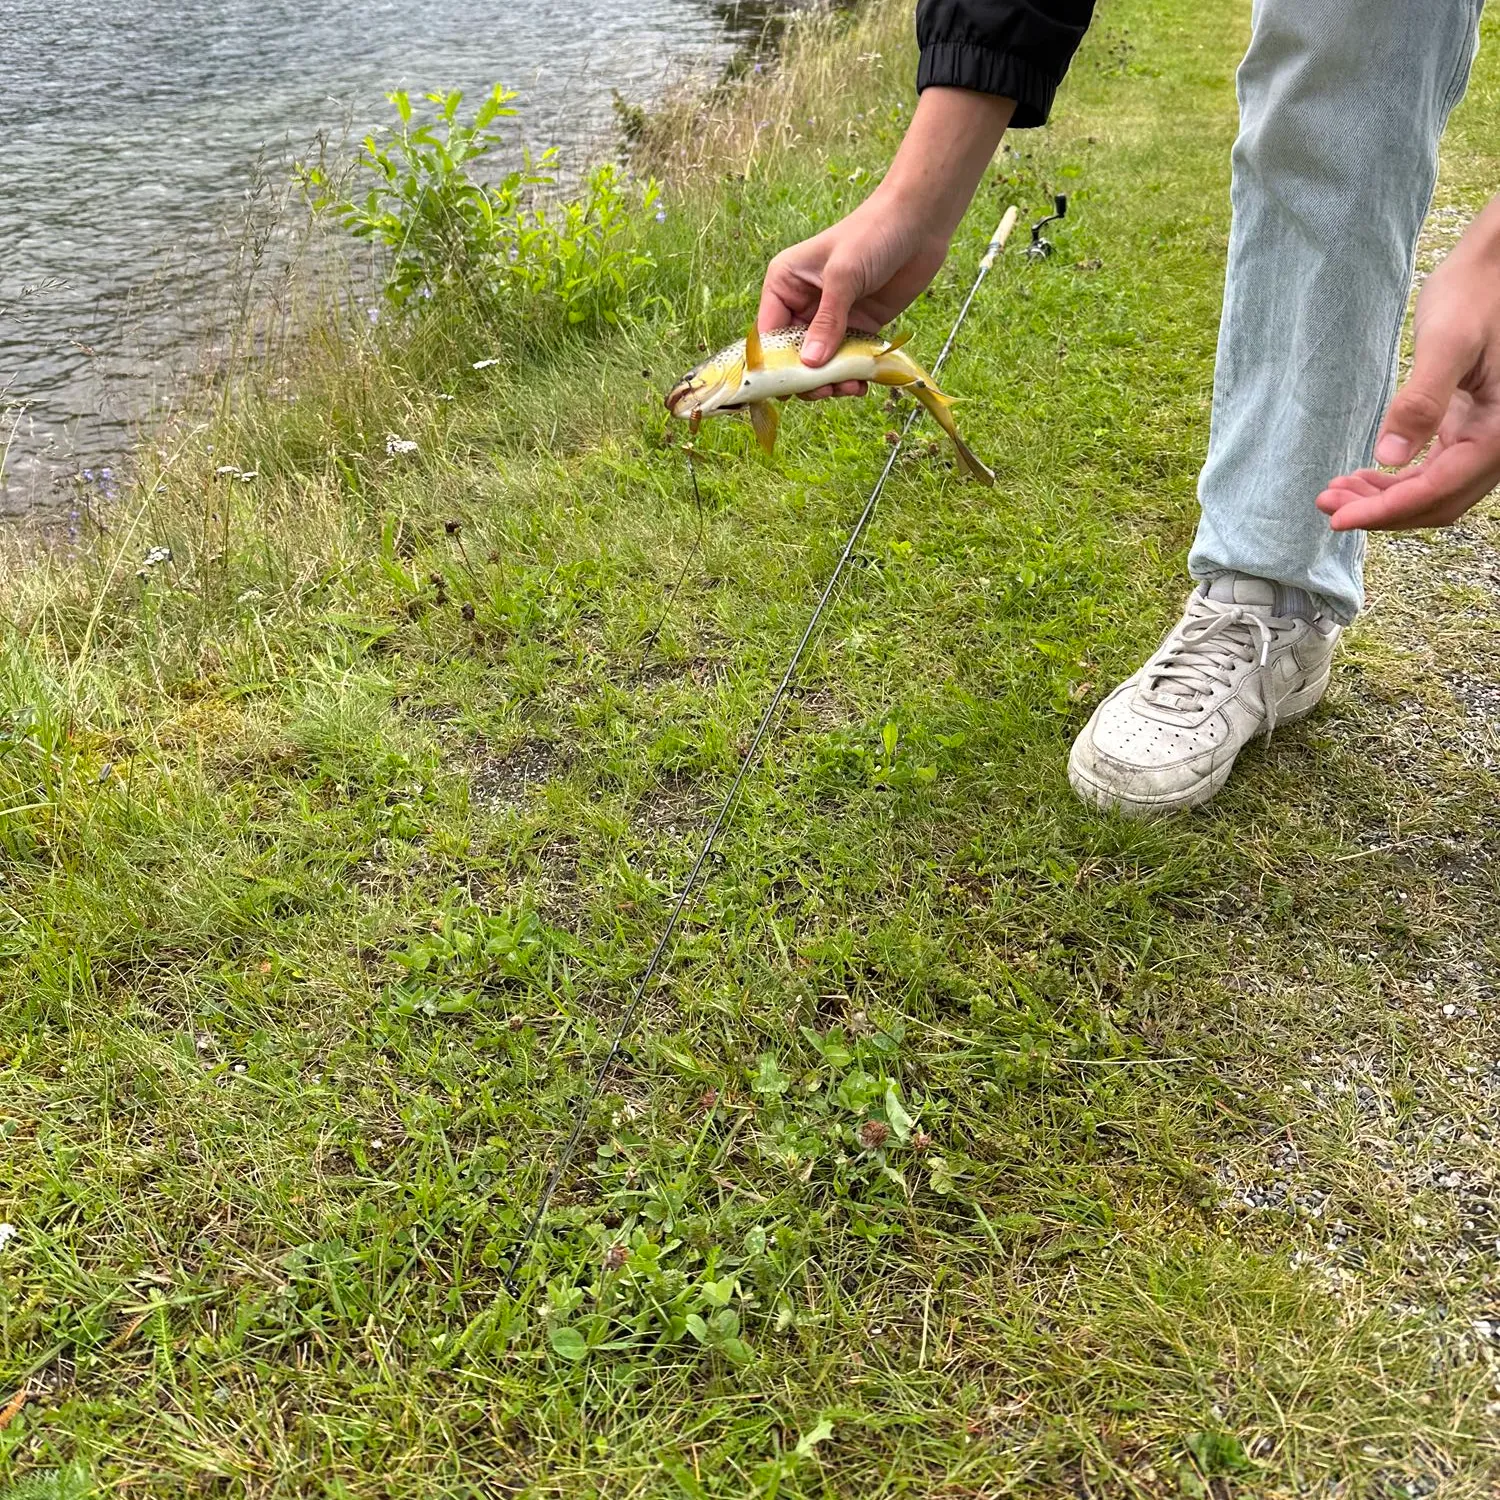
(972, 1143)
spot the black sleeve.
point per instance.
(1018, 48)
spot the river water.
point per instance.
(132, 132)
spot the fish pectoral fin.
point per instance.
(765, 419)
(901, 338)
(755, 358)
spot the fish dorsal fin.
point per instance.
(755, 358)
(765, 419)
(901, 338)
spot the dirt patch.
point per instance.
(556, 888)
(502, 779)
(815, 711)
(676, 806)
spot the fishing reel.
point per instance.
(1039, 248)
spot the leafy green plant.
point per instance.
(72, 1483)
(470, 954)
(443, 226)
(426, 207)
(847, 759)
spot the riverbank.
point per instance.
(129, 256)
(334, 839)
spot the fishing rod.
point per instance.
(693, 884)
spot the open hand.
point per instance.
(1451, 397)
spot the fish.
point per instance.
(752, 373)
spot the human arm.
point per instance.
(985, 64)
(1452, 397)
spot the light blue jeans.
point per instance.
(1342, 103)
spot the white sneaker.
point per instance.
(1246, 656)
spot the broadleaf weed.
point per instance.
(444, 228)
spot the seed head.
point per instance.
(920, 1140)
(468, 612)
(453, 526)
(873, 1134)
(615, 1257)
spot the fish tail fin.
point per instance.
(937, 403)
(971, 461)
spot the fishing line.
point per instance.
(706, 850)
(693, 551)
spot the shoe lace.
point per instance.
(1202, 659)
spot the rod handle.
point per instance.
(1001, 234)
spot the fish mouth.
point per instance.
(679, 395)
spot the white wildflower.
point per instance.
(484, 364)
(8, 1232)
(395, 445)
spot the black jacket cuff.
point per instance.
(966, 65)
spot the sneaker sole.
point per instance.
(1296, 705)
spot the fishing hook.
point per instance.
(708, 848)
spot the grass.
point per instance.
(972, 1144)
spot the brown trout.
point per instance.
(752, 373)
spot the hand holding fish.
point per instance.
(872, 264)
(860, 273)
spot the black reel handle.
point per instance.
(1039, 247)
